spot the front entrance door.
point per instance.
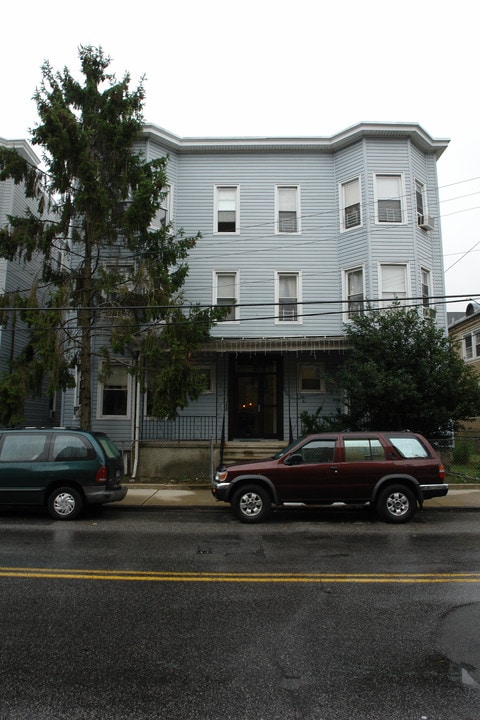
(255, 398)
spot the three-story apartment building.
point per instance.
(298, 234)
(20, 276)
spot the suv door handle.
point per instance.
(334, 468)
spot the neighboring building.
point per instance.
(298, 234)
(17, 276)
(466, 332)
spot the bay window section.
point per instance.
(389, 196)
(393, 284)
(350, 204)
(354, 291)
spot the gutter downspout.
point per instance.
(136, 430)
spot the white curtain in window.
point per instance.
(287, 199)
(226, 285)
(394, 281)
(288, 287)
(351, 193)
(227, 199)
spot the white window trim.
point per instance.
(386, 304)
(298, 231)
(100, 387)
(236, 309)
(345, 273)
(321, 367)
(215, 208)
(299, 320)
(402, 197)
(341, 195)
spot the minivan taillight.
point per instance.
(102, 474)
(441, 471)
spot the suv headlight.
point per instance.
(221, 475)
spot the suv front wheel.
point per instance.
(65, 503)
(396, 504)
(251, 504)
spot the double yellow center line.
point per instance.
(226, 577)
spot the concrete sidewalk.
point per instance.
(140, 495)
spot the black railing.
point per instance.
(194, 427)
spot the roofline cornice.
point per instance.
(23, 148)
(401, 131)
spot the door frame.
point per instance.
(233, 393)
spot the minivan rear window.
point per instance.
(409, 447)
(111, 450)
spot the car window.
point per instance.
(318, 451)
(23, 447)
(363, 450)
(71, 447)
(409, 447)
(109, 447)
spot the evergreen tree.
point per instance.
(402, 372)
(109, 284)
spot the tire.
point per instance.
(396, 504)
(65, 503)
(251, 504)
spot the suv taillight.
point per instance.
(441, 471)
(102, 474)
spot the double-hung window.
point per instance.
(114, 393)
(428, 310)
(420, 201)
(389, 191)
(226, 219)
(225, 292)
(287, 202)
(468, 347)
(311, 378)
(393, 284)
(163, 215)
(287, 289)
(354, 291)
(351, 214)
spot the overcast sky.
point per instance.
(271, 67)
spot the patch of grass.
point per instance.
(463, 473)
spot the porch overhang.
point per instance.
(311, 344)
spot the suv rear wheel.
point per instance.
(251, 504)
(396, 504)
(65, 503)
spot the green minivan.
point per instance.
(60, 469)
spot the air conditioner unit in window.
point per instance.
(427, 222)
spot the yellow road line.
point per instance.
(226, 577)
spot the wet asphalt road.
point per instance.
(187, 614)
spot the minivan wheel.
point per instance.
(396, 504)
(251, 504)
(65, 503)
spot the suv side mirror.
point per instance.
(295, 459)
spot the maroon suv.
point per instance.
(392, 471)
